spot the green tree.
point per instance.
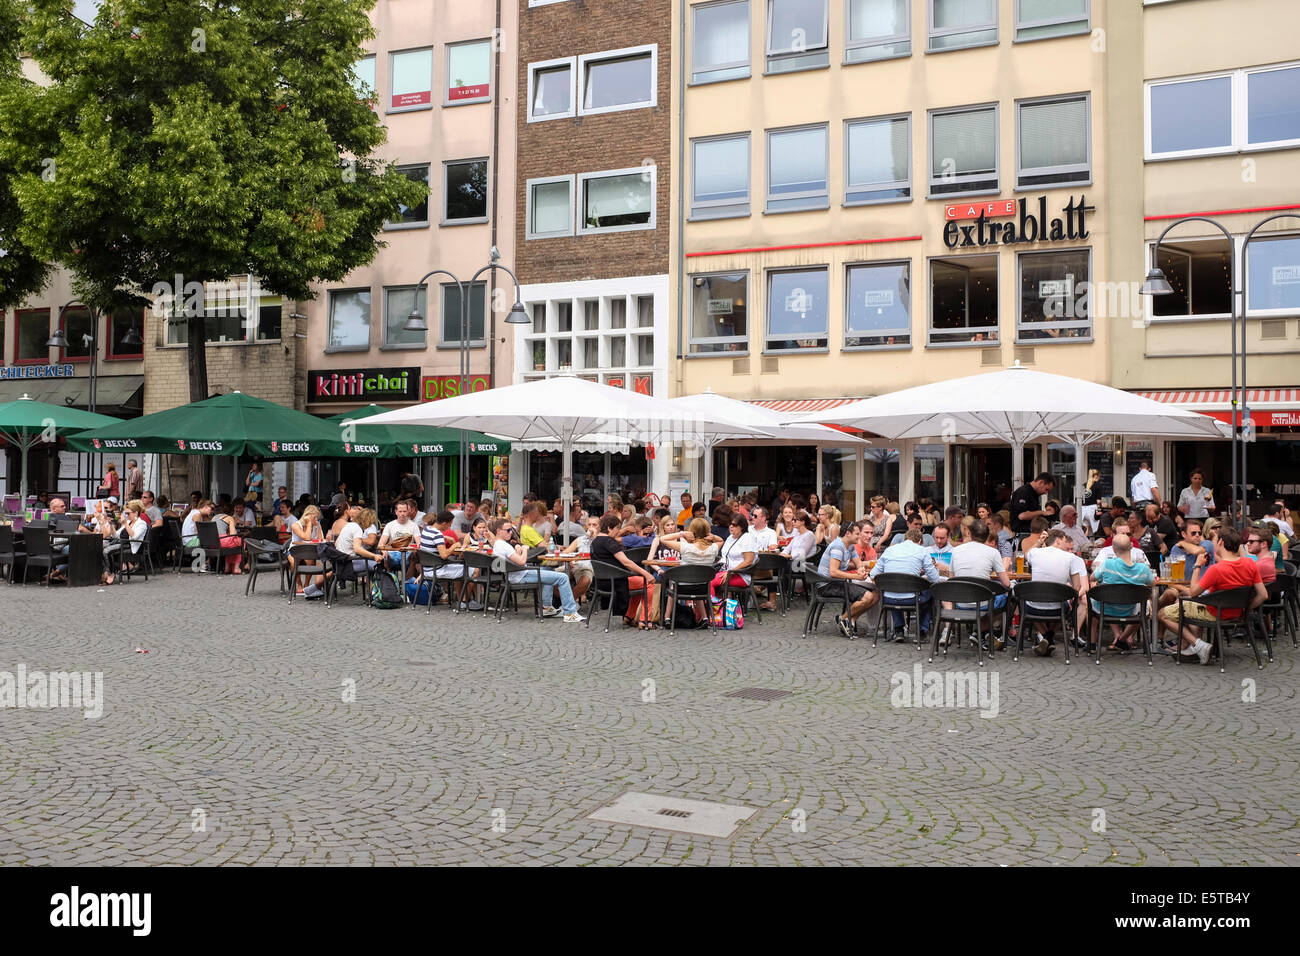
(197, 139)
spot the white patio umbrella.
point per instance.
(566, 409)
(1017, 405)
(709, 404)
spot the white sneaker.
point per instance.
(573, 618)
(1203, 649)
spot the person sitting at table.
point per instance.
(927, 540)
(785, 525)
(607, 547)
(306, 530)
(1259, 544)
(941, 549)
(399, 534)
(1037, 537)
(515, 556)
(137, 529)
(840, 562)
(764, 536)
(582, 573)
(639, 533)
(665, 526)
(1122, 567)
(804, 540)
(697, 545)
(228, 529)
(1069, 523)
(721, 521)
(738, 553)
(202, 511)
(368, 518)
(248, 511)
(1051, 561)
(828, 523)
(437, 537)
(1230, 570)
(978, 557)
(907, 557)
(283, 519)
(529, 519)
(352, 541)
(153, 509)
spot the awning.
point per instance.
(1268, 406)
(592, 444)
(797, 405)
(111, 391)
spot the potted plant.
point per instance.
(539, 356)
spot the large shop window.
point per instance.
(1043, 19)
(964, 300)
(878, 307)
(1200, 274)
(465, 192)
(550, 207)
(78, 328)
(469, 72)
(720, 35)
(621, 200)
(399, 302)
(877, 30)
(411, 86)
(798, 309)
(961, 23)
(797, 35)
(720, 177)
(1224, 113)
(797, 161)
(31, 332)
(229, 315)
(1052, 138)
(551, 86)
(350, 320)
(618, 80)
(451, 316)
(1273, 276)
(418, 214)
(878, 160)
(124, 321)
(1054, 299)
(964, 151)
(719, 313)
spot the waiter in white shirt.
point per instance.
(1196, 500)
(1143, 488)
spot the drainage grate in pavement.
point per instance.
(697, 817)
(758, 693)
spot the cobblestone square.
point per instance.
(233, 741)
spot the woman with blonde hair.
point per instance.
(697, 545)
(828, 517)
(1088, 515)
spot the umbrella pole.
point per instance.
(374, 480)
(22, 477)
(1017, 463)
(566, 486)
(706, 478)
(1080, 461)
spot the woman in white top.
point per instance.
(802, 541)
(785, 525)
(828, 517)
(738, 552)
(306, 530)
(697, 546)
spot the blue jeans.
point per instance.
(907, 602)
(558, 580)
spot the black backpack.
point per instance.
(385, 591)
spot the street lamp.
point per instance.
(415, 322)
(59, 340)
(1156, 284)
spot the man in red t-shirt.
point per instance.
(1230, 570)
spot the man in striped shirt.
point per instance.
(437, 538)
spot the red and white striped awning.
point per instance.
(1220, 399)
(796, 405)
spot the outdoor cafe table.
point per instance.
(85, 557)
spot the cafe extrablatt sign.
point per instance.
(1027, 222)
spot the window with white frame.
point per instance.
(797, 35)
(450, 326)
(399, 303)
(1244, 110)
(551, 89)
(469, 72)
(877, 160)
(411, 80)
(465, 191)
(720, 177)
(964, 300)
(955, 24)
(878, 305)
(618, 80)
(797, 161)
(1273, 275)
(231, 314)
(719, 314)
(964, 150)
(549, 207)
(418, 214)
(619, 200)
(1043, 19)
(798, 309)
(719, 41)
(1052, 142)
(1055, 296)
(349, 320)
(1199, 272)
(590, 334)
(877, 30)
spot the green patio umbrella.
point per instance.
(27, 423)
(407, 441)
(233, 424)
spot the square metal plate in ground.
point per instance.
(697, 817)
(758, 693)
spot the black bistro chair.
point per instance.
(307, 562)
(172, 545)
(265, 557)
(774, 585)
(1125, 594)
(210, 543)
(687, 582)
(8, 551)
(910, 585)
(1059, 596)
(1276, 607)
(39, 552)
(431, 562)
(604, 577)
(977, 597)
(1218, 631)
(821, 591)
(485, 582)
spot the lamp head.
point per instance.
(518, 315)
(415, 322)
(1156, 284)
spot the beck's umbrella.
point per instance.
(27, 423)
(233, 424)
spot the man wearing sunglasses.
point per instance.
(505, 546)
(1259, 544)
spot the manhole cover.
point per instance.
(758, 693)
(698, 817)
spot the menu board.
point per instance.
(1101, 457)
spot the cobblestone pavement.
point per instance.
(459, 724)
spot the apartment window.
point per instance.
(964, 151)
(797, 161)
(451, 316)
(877, 30)
(719, 315)
(363, 79)
(796, 35)
(1224, 113)
(1043, 19)
(465, 192)
(618, 80)
(412, 81)
(31, 332)
(469, 72)
(78, 329)
(398, 305)
(550, 207)
(962, 23)
(797, 309)
(878, 305)
(964, 300)
(270, 310)
(229, 314)
(118, 326)
(350, 320)
(720, 183)
(417, 215)
(620, 200)
(1273, 275)
(1054, 296)
(1200, 273)
(878, 160)
(720, 41)
(1052, 139)
(551, 89)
